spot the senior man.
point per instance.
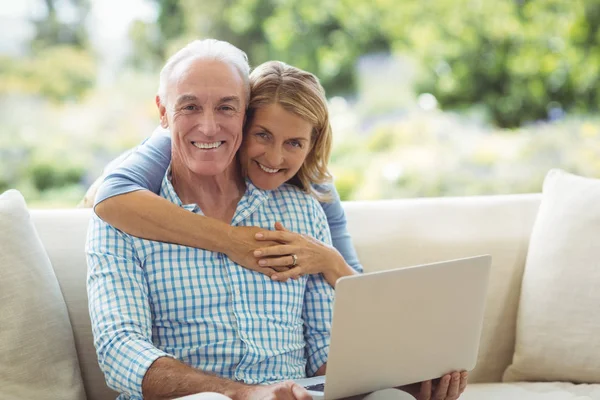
(169, 320)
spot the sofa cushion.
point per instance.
(531, 391)
(37, 353)
(63, 234)
(558, 324)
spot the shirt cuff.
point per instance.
(316, 361)
(140, 365)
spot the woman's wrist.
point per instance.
(336, 269)
(215, 235)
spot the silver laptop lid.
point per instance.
(406, 325)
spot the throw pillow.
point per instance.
(37, 352)
(558, 325)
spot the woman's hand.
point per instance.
(312, 256)
(241, 246)
(448, 387)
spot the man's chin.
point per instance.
(204, 169)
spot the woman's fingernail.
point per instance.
(257, 253)
(259, 236)
(274, 277)
(262, 262)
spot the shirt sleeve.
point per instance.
(144, 168)
(119, 309)
(318, 308)
(340, 237)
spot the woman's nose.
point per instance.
(274, 157)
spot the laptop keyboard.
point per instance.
(319, 387)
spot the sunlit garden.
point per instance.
(444, 98)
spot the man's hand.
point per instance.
(279, 391)
(448, 387)
(241, 246)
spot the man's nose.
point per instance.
(208, 123)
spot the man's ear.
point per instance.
(162, 110)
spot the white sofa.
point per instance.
(386, 234)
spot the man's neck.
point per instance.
(217, 196)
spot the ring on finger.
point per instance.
(294, 260)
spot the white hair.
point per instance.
(206, 49)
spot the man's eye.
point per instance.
(189, 108)
(227, 108)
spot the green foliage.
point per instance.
(309, 34)
(59, 66)
(51, 31)
(48, 174)
(523, 60)
(381, 139)
(59, 73)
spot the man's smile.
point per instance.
(208, 146)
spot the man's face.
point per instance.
(204, 110)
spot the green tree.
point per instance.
(60, 65)
(308, 34)
(51, 30)
(522, 60)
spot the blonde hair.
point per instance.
(301, 93)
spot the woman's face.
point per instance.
(275, 146)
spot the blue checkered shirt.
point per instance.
(151, 299)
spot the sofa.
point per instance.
(387, 234)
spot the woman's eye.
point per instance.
(262, 135)
(295, 143)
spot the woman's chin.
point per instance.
(267, 184)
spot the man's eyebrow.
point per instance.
(184, 98)
(228, 99)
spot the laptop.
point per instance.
(402, 326)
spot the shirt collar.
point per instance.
(250, 201)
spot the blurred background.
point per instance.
(428, 97)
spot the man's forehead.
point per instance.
(204, 78)
(206, 71)
(203, 97)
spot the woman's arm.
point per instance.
(340, 237)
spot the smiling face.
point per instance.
(275, 146)
(204, 109)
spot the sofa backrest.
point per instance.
(399, 233)
(387, 234)
(63, 233)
